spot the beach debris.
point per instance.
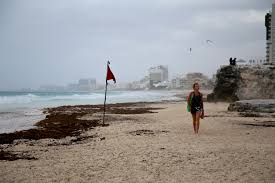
(70, 121)
(11, 156)
(142, 132)
(147, 132)
(261, 124)
(55, 126)
(81, 138)
(250, 114)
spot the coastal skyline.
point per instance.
(56, 42)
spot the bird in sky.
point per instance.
(209, 41)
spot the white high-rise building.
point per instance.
(270, 36)
(158, 74)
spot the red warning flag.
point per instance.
(110, 75)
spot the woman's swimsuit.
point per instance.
(196, 103)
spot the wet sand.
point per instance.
(145, 142)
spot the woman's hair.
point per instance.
(196, 83)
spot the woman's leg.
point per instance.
(197, 116)
(194, 122)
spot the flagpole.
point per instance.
(104, 109)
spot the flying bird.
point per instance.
(209, 41)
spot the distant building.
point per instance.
(139, 85)
(86, 84)
(52, 88)
(72, 87)
(187, 82)
(191, 78)
(178, 82)
(175, 83)
(256, 61)
(158, 76)
(270, 36)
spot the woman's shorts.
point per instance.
(194, 110)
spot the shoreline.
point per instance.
(20, 118)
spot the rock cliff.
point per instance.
(243, 83)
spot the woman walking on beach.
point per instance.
(195, 106)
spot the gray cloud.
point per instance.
(58, 42)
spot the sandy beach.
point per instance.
(155, 145)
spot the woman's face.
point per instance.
(196, 87)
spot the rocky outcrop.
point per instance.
(226, 84)
(244, 82)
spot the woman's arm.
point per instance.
(202, 102)
(202, 112)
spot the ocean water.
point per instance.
(20, 110)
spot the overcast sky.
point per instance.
(60, 41)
